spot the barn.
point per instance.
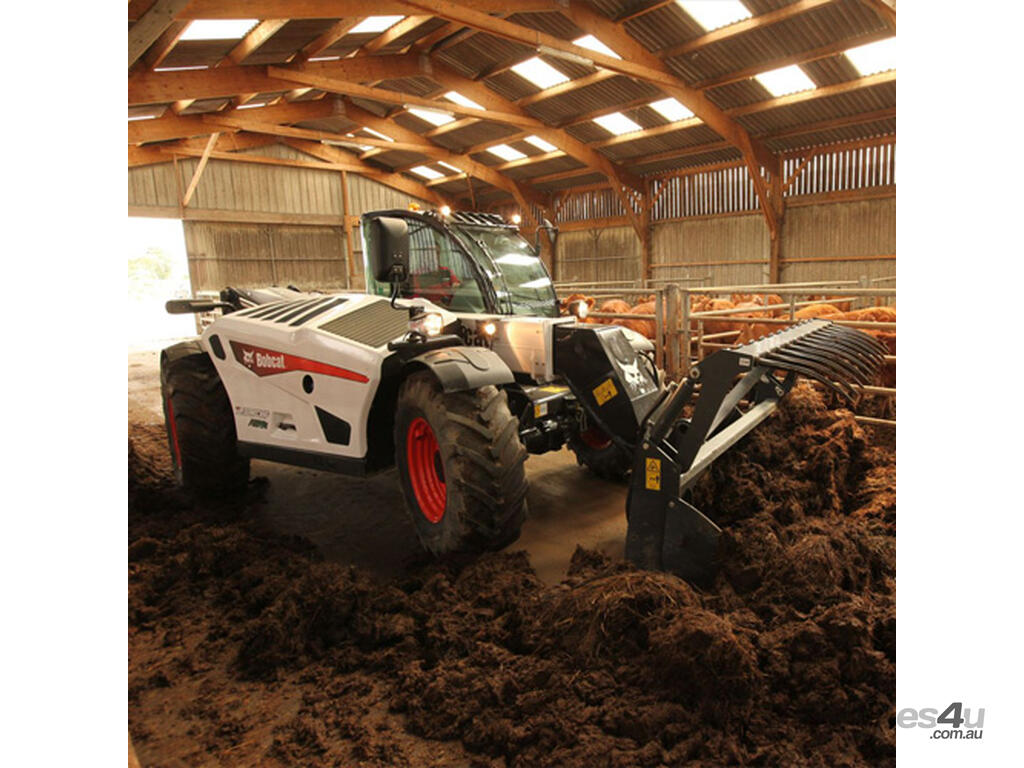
(512, 384)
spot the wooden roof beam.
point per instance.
(759, 106)
(172, 126)
(636, 60)
(229, 142)
(557, 90)
(152, 24)
(743, 26)
(572, 146)
(395, 31)
(228, 81)
(521, 191)
(164, 44)
(328, 9)
(249, 44)
(326, 39)
(821, 52)
(388, 178)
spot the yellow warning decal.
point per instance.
(653, 474)
(605, 391)
(540, 409)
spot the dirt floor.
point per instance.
(301, 626)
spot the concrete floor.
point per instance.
(363, 521)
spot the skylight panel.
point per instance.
(426, 173)
(785, 80)
(375, 24)
(218, 29)
(432, 116)
(449, 167)
(539, 143)
(540, 73)
(505, 152)
(712, 14)
(378, 134)
(617, 123)
(591, 42)
(458, 98)
(874, 57)
(671, 109)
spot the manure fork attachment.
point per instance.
(665, 531)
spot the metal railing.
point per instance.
(680, 338)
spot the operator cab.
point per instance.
(473, 263)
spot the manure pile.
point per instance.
(246, 648)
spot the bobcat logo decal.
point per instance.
(267, 362)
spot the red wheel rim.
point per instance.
(426, 471)
(174, 432)
(595, 438)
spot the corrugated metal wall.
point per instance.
(737, 247)
(731, 250)
(251, 255)
(308, 255)
(598, 255)
(313, 254)
(865, 228)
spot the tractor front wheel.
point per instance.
(200, 424)
(461, 466)
(595, 450)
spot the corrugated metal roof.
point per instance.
(474, 53)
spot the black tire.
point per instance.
(200, 424)
(479, 475)
(596, 451)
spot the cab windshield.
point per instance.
(521, 281)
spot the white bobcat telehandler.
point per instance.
(453, 367)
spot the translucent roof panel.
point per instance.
(874, 57)
(784, 80)
(374, 24)
(218, 29)
(431, 116)
(671, 109)
(378, 134)
(617, 123)
(712, 14)
(540, 144)
(458, 98)
(426, 173)
(539, 72)
(591, 42)
(449, 167)
(505, 152)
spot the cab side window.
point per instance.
(440, 272)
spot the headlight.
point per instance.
(429, 324)
(488, 328)
(580, 308)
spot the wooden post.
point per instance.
(661, 334)
(199, 169)
(686, 330)
(778, 204)
(350, 252)
(648, 232)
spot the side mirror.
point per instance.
(552, 231)
(389, 249)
